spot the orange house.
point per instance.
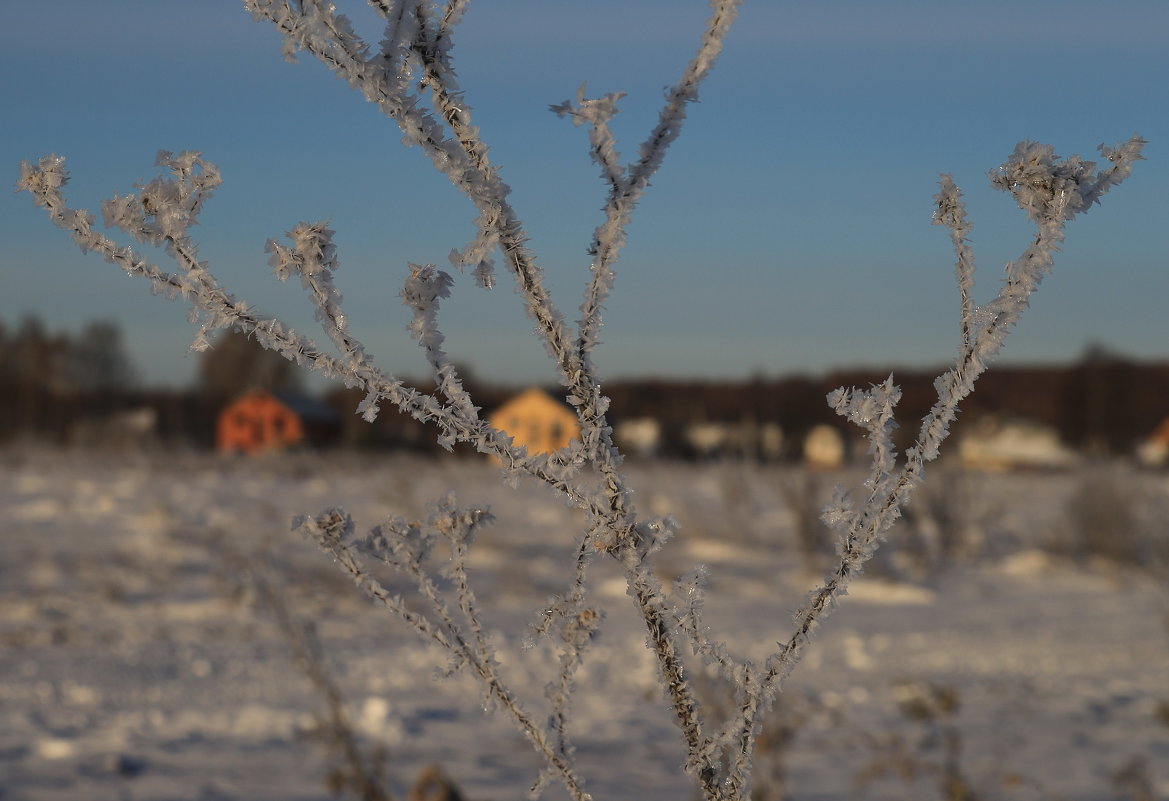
(536, 421)
(258, 422)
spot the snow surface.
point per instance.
(134, 666)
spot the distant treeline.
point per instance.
(81, 388)
(1104, 404)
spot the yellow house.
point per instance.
(1154, 451)
(536, 421)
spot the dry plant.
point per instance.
(409, 76)
(1114, 516)
(937, 751)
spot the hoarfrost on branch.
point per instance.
(409, 77)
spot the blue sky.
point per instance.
(787, 231)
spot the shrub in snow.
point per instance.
(409, 76)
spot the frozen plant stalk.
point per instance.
(410, 78)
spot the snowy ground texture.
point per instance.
(988, 645)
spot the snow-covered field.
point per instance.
(134, 663)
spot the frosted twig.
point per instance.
(331, 530)
(571, 603)
(596, 113)
(584, 390)
(1051, 192)
(951, 212)
(405, 547)
(576, 633)
(647, 592)
(464, 160)
(396, 47)
(609, 237)
(424, 288)
(313, 257)
(459, 527)
(689, 597)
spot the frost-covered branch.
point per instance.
(410, 77)
(1051, 192)
(313, 257)
(627, 185)
(424, 288)
(951, 212)
(316, 28)
(406, 547)
(596, 113)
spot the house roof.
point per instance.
(308, 409)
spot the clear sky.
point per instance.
(787, 231)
